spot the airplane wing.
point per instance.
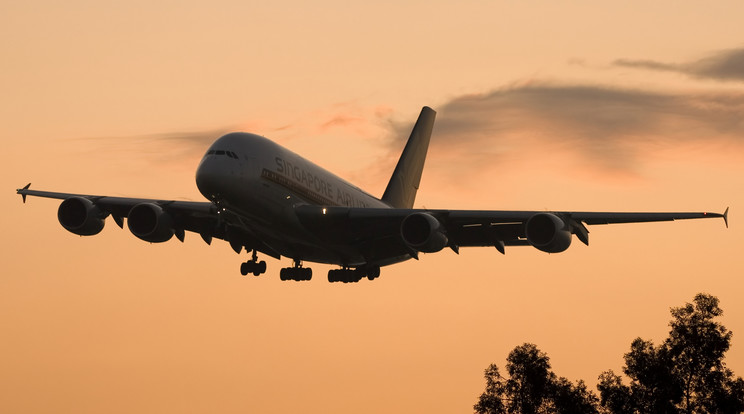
(203, 218)
(380, 232)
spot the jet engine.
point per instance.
(80, 216)
(150, 223)
(423, 232)
(548, 232)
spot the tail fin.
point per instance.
(401, 190)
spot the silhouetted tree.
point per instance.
(530, 379)
(657, 389)
(614, 396)
(696, 345)
(653, 388)
(491, 401)
(532, 388)
(572, 399)
(685, 374)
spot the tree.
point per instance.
(532, 388)
(571, 399)
(614, 396)
(656, 388)
(696, 345)
(685, 374)
(491, 401)
(530, 379)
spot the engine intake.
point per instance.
(150, 223)
(423, 232)
(80, 216)
(548, 232)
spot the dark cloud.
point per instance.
(608, 129)
(727, 65)
(648, 64)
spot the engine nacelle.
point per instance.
(423, 232)
(81, 216)
(547, 232)
(150, 223)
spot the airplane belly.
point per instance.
(297, 244)
(270, 218)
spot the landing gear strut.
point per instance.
(253, 266)
(297, 273)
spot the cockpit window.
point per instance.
(223, 152)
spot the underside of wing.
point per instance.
(376, 235)
(151, 220)
(612, 218)
(380, 232)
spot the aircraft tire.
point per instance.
(333, 276)
(373, 272)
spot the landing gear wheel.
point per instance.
(253, 266)
(346, 275)
(296, 273)
(373, 272)
(259, 268)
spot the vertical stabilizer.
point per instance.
(401, 190)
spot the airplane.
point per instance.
(266, 199)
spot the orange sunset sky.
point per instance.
(581, 105)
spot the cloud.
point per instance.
(161, 149)
(562, 128)
(727, 65)
(604, 129)
(648, 64)
(174, 148)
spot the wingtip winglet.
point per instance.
(23, 195)
(725, 216)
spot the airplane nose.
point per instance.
(209, 179)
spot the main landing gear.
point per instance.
(347, 275)
(297, 273)
(253, 266)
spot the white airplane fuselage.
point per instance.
(262, 183)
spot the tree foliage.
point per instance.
(685, 374)
(532, 388)
(492, 400)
